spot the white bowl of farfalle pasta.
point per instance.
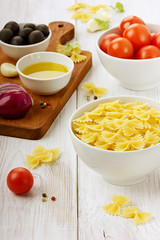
(118, 137)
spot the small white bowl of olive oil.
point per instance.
(45, 73)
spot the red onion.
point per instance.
(14, 101)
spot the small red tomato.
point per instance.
(138, 34)
(106, 41)
(20, 180)
(121, 48)
(147, 52)
(156, 39)
(127, 21)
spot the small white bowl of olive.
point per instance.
(17, 40)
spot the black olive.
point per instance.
(6, 34)
(24, 33)
(17, 40)
(35, 37)
(30, 25)
(43, 28)
(12, 26)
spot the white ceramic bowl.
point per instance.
(119, 168)
(44, 86)
(18, 51)
(132, 74)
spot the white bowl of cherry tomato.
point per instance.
(130, 52)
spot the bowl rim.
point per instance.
(46, 53)
(29, 45)
(113, 98)
(123, 59)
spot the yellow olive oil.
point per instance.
(45, 70)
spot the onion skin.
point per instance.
(14, 101)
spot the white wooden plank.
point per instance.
(27, 217)
(93, 192)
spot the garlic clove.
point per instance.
(8, 70)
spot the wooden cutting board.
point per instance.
(37, 120)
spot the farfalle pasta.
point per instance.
(94, 9)
(115, 209)
(76, 57)
(118, 126)
(41, 155)
(97, 91)
(80, 14)
(138, 217)
(73, 51)
(77, 6)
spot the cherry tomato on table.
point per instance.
(106, 41)
(138, 34)
(127, 21)
(147, 52)
(20, 180)
(121, 48)
(156, 39)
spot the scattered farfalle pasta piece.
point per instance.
(76, 57)
(41, 155)
(77, 6)
(80, 14)
(141, 218)
(94, 9)
(129, 212)
(73, 51)
(55, 153)
(61, 49)
(138, 217)
(97, 91)
(121, 200)
(120, 127)
(114, 208)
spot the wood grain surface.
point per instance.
(76, 214)
(37, 120)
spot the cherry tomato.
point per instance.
(127, 21)
(156, 39)
(138, 34)
(149, 51)
(20, 180)
(106, 41)
(121, 48)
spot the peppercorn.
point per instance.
(44, 195)
(88, 98)
(53, 198)
(43, 199)
(95, 97)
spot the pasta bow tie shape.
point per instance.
(114, 208)
(129, 212)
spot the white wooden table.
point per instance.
(80, 193)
